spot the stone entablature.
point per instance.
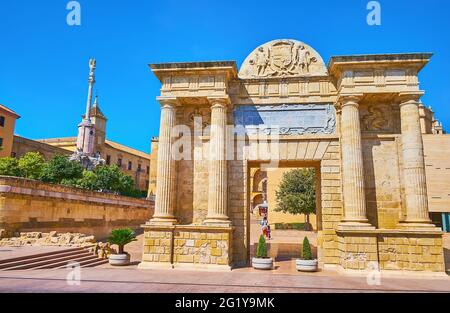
(27, 205)
(370, 161)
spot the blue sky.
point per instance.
(44, 62)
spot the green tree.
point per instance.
(31, 165)
(88, 181)
(9, 167)
(60, 169)
(108, 178)
(297, 193)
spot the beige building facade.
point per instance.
(7, 125)
(359, 121)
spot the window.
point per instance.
(139, 167)
(2, 121)
(130, 166)
(1, 142)
(148, 169)
(119, 162)
(108, 160)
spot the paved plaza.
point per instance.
(137, 281)
(283, 279)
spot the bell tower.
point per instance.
(99, 120)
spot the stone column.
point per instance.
(416, 200)
(166, 171)
(217, 191)
(352, 164)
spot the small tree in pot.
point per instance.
(121, 237)
(262, 261)
(306, 263)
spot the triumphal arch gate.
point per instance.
(355, 120)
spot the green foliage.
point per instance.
(261, 251)
(122, 237)
(31, 165)
(109, 178)
(9, 167)
(60, 170)
(88, 181)
(297, 193)
(306, 250)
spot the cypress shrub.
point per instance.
(306, 250)
(261, 251)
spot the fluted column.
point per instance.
(166, 171)
(416, 200)
(352, 164)
(217, 191)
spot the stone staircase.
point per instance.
(53, 260)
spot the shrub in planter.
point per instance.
(306, 263)
(262, 261)
(121, 237)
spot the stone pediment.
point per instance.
(283, 58)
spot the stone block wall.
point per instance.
(382, 178)
(412, 252)
(393, 250)
(193, 246)
(27, 206)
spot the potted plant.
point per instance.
(121, 237)
(262, 261)
(306, 263)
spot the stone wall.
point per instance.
(27, 206)
(382, 178)
(392, 249)
(191, 246)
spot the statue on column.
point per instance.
(85, 153)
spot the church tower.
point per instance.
(99, 120)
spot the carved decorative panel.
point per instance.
(283, 58)
(376, 118)
(292, 119)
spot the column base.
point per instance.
(166, 221)
(355, 225)
(417, 224)
(219, 221)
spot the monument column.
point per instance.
(217, 191)
(352, 164)
(166, 171)
(416, 200)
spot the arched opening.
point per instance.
(287, 230)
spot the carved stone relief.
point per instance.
(376, 118)
(282, 58)
(292, 119)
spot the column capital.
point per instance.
(167, 101)
(409, 97)
(219, 101)
(349, 99)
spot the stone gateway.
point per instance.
(357, 121)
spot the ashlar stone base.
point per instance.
(187, 247)
(396, 250)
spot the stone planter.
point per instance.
(262, 264)
(119, 259)
(306, 265)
